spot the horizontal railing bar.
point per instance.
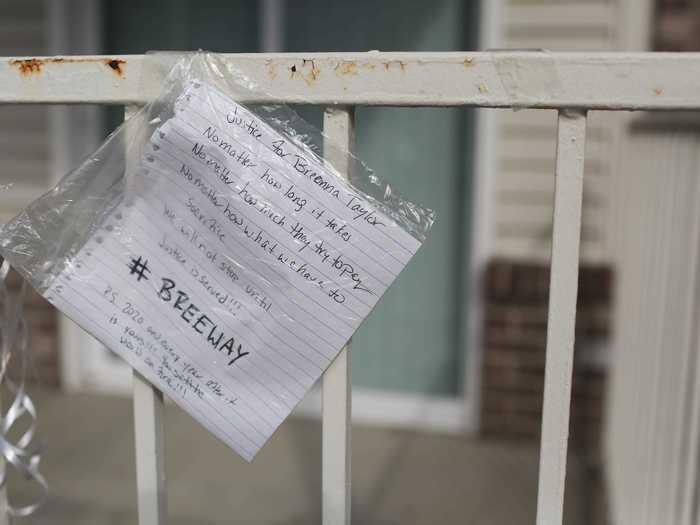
(526, 79)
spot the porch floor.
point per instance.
(399, 477)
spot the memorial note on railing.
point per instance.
(235, 271)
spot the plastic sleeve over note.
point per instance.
(214, 247)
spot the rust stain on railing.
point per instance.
(402, 65)
(346, 68)
(32, 66)
(116, 66)
(307, 71)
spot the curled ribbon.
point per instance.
(23, 454)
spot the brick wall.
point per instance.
(516, 295)
(42, 322)
(677, 25)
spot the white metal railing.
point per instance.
(571, 83)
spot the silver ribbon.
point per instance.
(24, 455)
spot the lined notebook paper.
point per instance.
(234, 270)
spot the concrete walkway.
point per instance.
(399, 477)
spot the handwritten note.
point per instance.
(235, 269)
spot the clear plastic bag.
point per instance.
(215, 247)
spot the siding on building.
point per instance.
(24, 141)
(516, 284)
(524, 186)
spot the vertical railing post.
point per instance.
(561, 321)
(149, 440)
(337, 389)
(150, 452)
